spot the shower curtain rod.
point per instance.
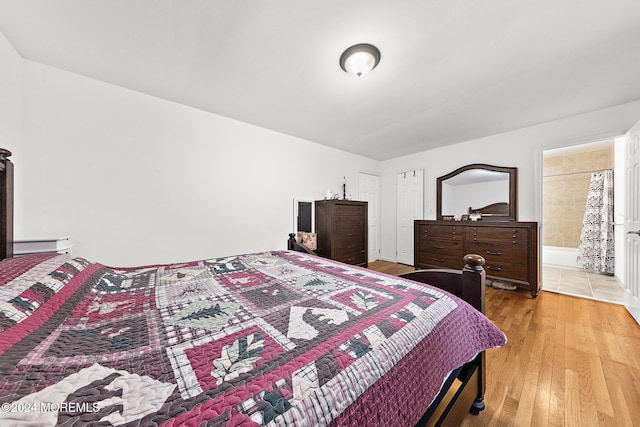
(577, 173)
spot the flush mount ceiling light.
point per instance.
(359, 59)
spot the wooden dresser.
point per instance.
(341, 228)
(511, 249)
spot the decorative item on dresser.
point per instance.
(509, 248)
(6, 204)
(341, 228)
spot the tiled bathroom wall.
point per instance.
(566, 177)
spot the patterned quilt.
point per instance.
(276, 338)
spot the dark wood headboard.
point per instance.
(6, 205)
(497, 209)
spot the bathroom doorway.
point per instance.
(567, 173)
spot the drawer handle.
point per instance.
(493, 268)
(438, 260)
(438, 247)
(493, 253)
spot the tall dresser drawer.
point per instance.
(349, 210)
(352, 240)
(349, 221)
(351, 257)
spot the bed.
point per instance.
(270, 338)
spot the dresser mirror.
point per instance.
(478, 191)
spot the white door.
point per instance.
(410, 206)
(369, 191)
(632, 221)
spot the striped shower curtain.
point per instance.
(596, 250)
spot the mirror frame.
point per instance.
(513, 190)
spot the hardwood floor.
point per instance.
(569, 361)
(390, 267)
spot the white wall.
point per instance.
(11, 118)
(135, 179)
(155, 181)
(521, 148)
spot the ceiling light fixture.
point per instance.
(359, 59)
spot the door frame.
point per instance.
(618, 178)
(370, 223)
(417, 214)
(632, 222)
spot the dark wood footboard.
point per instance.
(467, 284)
(450, 409)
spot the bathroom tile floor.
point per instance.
(582, 283)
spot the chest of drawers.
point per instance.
(341, 227)
(511, 249)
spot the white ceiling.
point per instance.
(451, 70)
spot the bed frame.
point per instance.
(463, 392)
(6, 204)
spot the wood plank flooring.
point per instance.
(569, 361)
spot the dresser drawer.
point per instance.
(514, 252)
(349, 221)
(353, 257)
(439, 260)
(507, 270)
(350, 210)
(432, 231)
(341, 246)
(444, 247)
(499, 234)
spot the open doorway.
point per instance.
(567, 177)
